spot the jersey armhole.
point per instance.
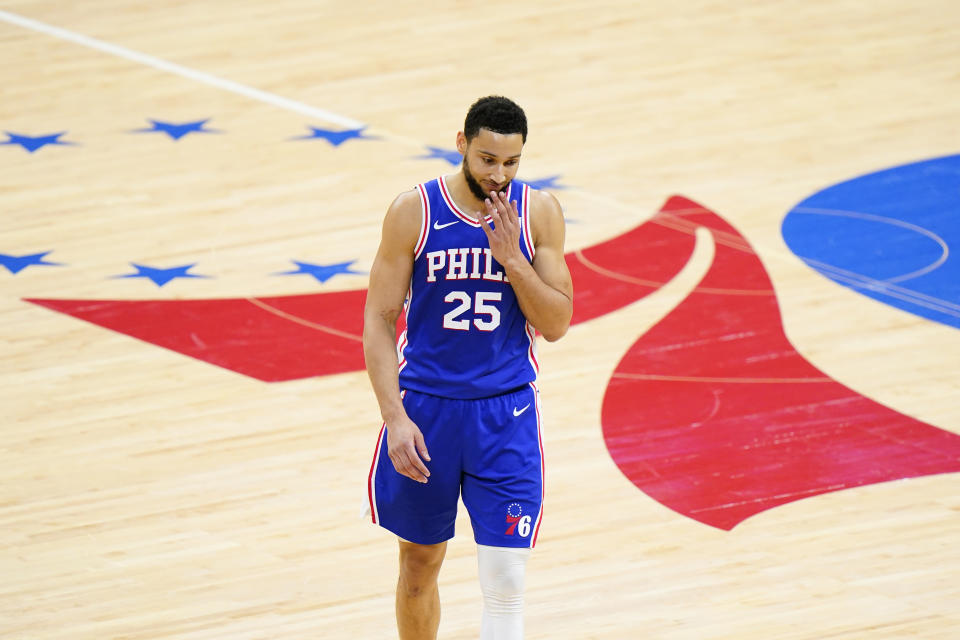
(525, 221)
(424, 221)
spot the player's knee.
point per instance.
(502, 579)
(504, 584)
(419, 567)
(504, 597)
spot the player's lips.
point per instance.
(491, 186)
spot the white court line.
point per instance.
(944, 247)
(859, 281)
(198, 76)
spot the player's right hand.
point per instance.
(407, 450)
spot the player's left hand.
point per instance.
(504, 234)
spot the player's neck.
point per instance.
(462, 195)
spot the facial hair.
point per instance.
(474, 185)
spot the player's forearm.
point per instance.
(380, 355)
(546, 308)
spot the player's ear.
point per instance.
(461, 143)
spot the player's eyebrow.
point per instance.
(493, 155)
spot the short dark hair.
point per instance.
(497, 114)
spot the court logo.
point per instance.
(519, 524)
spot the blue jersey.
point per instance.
(466, 336)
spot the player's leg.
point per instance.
(422, 515)
(502, 574)
(418, 596)
(503, 491)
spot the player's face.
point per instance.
(490, 161)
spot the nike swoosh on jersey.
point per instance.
(438, 226)
(517, 412)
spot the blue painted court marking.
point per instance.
(178, 130)
(322, 272)
(32, 143)
(891, 235)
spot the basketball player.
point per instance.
(475, 259)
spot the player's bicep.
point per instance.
(549, 261)
(393, 264)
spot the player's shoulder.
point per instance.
(406, 209)
(403, 219)
(545, 209)
(406, 202)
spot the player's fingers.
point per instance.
(494, 213)
(507, 210)
(483, 219)
(514, 215)
(500, 202)
(418, 466)
(488, 227)
(402, 463)
(421, 446)
(411, 463)
(508, 207)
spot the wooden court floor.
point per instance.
(145, 494)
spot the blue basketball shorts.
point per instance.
(486, 450)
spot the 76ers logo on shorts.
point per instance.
(519, 523)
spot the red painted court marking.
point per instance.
(615, 273)
(270, 339)
(292, 337)
(715, 415)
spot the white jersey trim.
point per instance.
(424, 221)
(525, 221)
(532, 348)
(372, 477)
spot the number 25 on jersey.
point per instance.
(485, 315)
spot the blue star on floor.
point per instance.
(336, 138)
(450, 155)
(177, 131)
(16, 264)
(550, 182)
(32, 143)
(161, 277)
(322, 272)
